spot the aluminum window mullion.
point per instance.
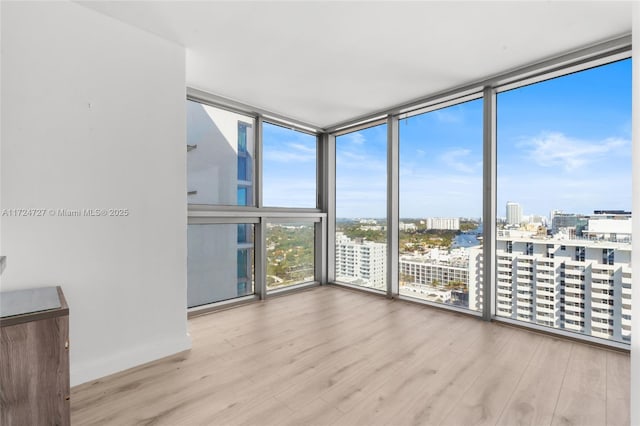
(291, 219)
(361, 125)
(441, 104)
(255, 213)
(240, 108)
(392, 205)
(489, 204)
(582, 56)
(257, 176)
(328, 206)
(320, 173)
(320, 258)
(260, 253)
(289, 125)
(197, 220)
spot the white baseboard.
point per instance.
(97, 368)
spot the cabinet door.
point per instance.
(34, 373)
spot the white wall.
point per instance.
(94, 117)
(635, 298)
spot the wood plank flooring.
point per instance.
(330, 356)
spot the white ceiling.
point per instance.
(327, 62)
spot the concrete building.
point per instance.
(514, 213)
(609, 227)
(220, 146)
(445, 223)
(407, 227)
(443, 276)
(361, 262)
(573, 284)
(571, 222)
(476, 279)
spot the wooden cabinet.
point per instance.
(34, 357)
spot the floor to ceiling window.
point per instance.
(563, 189)
(440, 218)
(220, 171)
(361, 206)
(563, 249)
(236, 246)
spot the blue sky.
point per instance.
(562, 144)
(566, 143)
(289, 167)
(361, 173)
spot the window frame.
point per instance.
(578, 60)
(257, 214)
(575, 61)
(317, 167)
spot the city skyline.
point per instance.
(574, 147)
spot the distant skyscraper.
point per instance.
(514, 213)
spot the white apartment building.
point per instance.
(407, 227)
(445, 223)
(475, 277)
(423, 276)
(614, 229)
(514, 213)
(361, 262)
(428, 271)
(220, 146)
(578, 285)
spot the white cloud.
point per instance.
(448, 115)
(458, 159)
(355, 138)
(554, 149)
(296, 152)
(303, 148)
(351, 157)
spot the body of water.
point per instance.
(468, 239)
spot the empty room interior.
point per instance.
(319, 213)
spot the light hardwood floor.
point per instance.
(330, 356)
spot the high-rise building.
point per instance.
(220, 147)
(361, 262)
(475, 277)
(514, 213)
(573, 284)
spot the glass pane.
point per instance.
(361, 208)
(564, 181)
(219, 262)
(290, 254)
(440, 252)
(220, 155)
(289, 177)
(243, 195)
